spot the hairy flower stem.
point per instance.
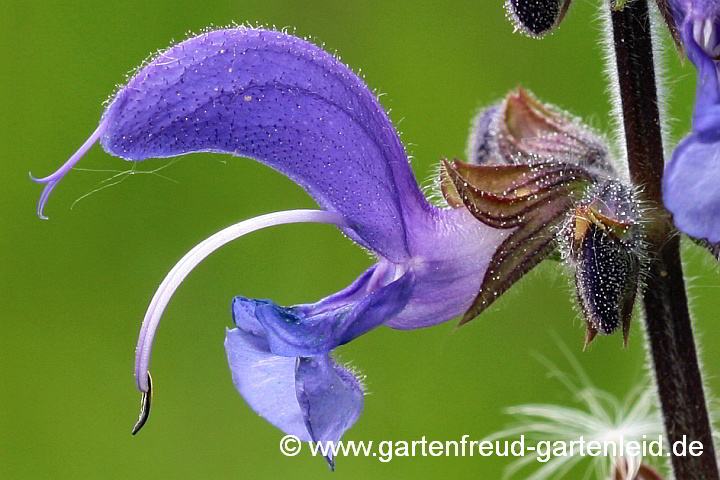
(667, 319)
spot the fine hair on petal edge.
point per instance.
(189, 34)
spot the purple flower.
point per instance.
(290, 105)
(690, 186)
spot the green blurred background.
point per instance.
(73, 290)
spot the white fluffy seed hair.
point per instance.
(599, 417)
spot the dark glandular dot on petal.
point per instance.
(534, 17)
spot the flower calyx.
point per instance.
(548, 178)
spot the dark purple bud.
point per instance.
(536, 17)
(606, 248)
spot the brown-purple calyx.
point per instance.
(533, 200)
(544, 174)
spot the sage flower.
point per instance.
(690, 184)
(537, 181)
(283, 101)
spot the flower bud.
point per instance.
(535, 18)
(605, 248)
(522, 130)
(545, 176)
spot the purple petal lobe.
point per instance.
(313, 398)
(690, 187)
(282, 101)
(308, 330)
(683, 9)
(706, 116)
(330, 397)
(266, 381)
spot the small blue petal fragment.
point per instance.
(690, 184)
(330, 398)
(691, 189)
